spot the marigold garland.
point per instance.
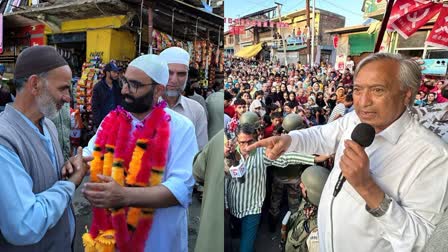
(145, 153)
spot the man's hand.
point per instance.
(355, 167)
(355, 164)
(420, 62)
(321, 158)
(108, 194)
(76, 168)
(229, 148)
(275, 146)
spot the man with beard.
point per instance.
(178, 62)
(143, 84)
(36, 204)
(106, 94)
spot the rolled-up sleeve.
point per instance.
(26, 217)
(179, 172)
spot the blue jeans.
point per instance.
(249, 228)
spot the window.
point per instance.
(415, 40)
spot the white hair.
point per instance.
(409, 73)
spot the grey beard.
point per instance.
(47, 106)
(176, 93)
(172, 93)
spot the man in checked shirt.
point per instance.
(244, 198)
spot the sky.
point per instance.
(351, 9)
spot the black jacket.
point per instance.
(104, 100)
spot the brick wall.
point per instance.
(329, 22)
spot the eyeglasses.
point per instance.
(134, 85)
(246, 142)
(257, 108)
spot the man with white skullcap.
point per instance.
(178, 63)
(143, 83)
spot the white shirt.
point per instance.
(408, 162)
(338, 110)
(169, 231)
(350, 65)
(196, 113)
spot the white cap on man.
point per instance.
(176, 55)
(154, 66)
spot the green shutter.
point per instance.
(361, 42)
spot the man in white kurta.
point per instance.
(169, 230)
(178, 62)
(407, 161)
(396, 189)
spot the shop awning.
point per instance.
(361, 42)
(249, 51)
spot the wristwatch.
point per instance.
(382, 208)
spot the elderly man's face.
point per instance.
(377, 97)
(178, 79)
(54, 91)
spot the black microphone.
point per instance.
(363, 134)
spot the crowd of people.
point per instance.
(276, 99)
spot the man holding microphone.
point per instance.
(396, 190)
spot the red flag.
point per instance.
(403, 7)
(411, 22)
(232, 30)
(335, 41)
(439, 33)
(236, 30)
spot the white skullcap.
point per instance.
(154, 66)
(176, 55)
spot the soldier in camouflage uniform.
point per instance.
(302, 225)
(288, 178)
